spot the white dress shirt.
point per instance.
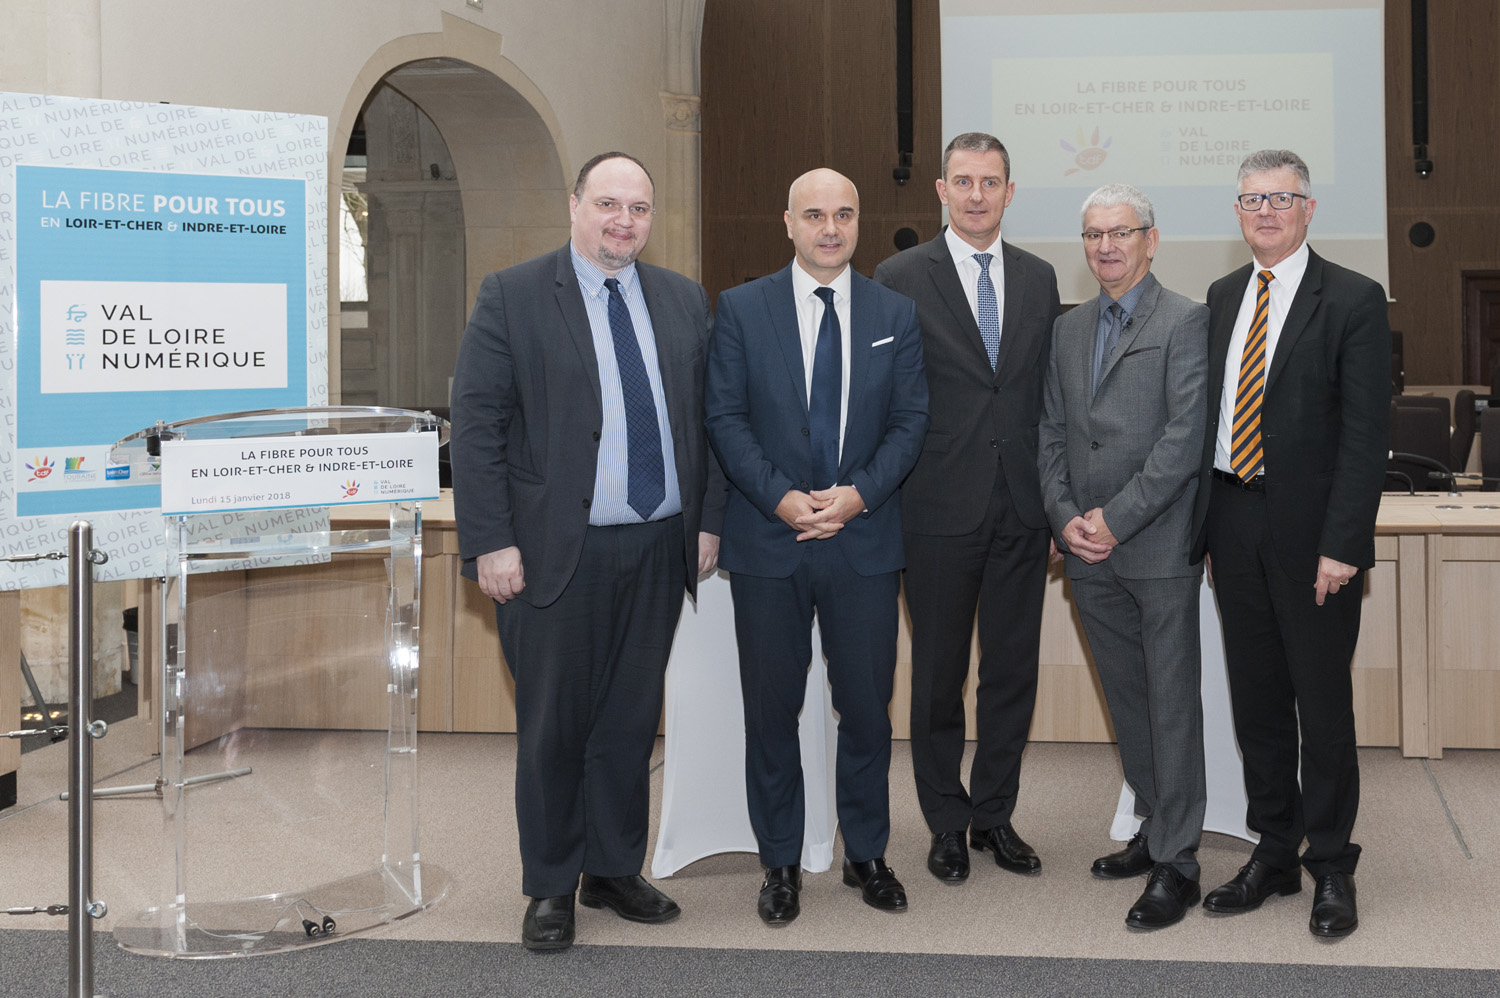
(968, 272)
(809, 317)
(1288, 275)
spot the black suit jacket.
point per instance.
(1325, 419)
(527, 415)
(976, 413)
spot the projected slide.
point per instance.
(1172, 101)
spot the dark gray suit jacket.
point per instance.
(976, 413)
(527, 416)
(1132, 447)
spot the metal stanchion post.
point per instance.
(82, 909)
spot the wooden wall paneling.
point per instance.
(1376, 665)
(1468, 634)
(317, 655)
(484, 694)
(213, 656)
(1412, 594)
(790, 87)
(1461, 199)
(440, 564)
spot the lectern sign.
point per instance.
(269, 472)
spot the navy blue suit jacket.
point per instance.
(756, 404)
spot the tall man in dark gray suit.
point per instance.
(816, 408)
(579, 469)
(974, 529)
(1292, 466)
(1120, 441)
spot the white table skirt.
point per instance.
(704, 811)
(703, 807)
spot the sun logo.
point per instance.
(350, 488)
(1090, 154)
(41, 469)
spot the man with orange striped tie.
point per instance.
(1293, 462)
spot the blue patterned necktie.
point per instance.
(1106, 346)
(647, 483)
(827, 390)
(989, 309)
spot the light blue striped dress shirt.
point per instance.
(611, 503)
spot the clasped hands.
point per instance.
(1089, 537)
(821, 514)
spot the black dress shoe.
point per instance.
(778, 903)
(948, 859)
(1256, 881)
(1011, 851)
(548, 924)
(877, 883)
(630, 897)
(1167, 897)
(1333, 912)
(1132, 861)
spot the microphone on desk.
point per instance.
(1440, 470)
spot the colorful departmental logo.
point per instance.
(1090, 154)
(41, 469)
(74, 466)
(350, 488)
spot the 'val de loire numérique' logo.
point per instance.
(1090, 154)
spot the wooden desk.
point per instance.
(1426, 671)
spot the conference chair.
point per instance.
(1489, 447)
(1421, 430)
(1463, 428)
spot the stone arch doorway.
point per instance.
(462, 176)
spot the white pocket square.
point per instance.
(881, 343)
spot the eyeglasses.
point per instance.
(608, 207)
(1091, 238)
(1280, 200)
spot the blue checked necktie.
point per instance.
(827, 389)
(989, 309)
(647, 479)
(1245, 453)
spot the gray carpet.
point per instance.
(35, 962)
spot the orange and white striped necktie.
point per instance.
(1246, 455)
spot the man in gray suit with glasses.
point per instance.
(1122, 429)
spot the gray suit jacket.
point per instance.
(1133, 448)
(527, 414)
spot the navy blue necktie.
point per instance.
(827, 391)
(647, 483)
